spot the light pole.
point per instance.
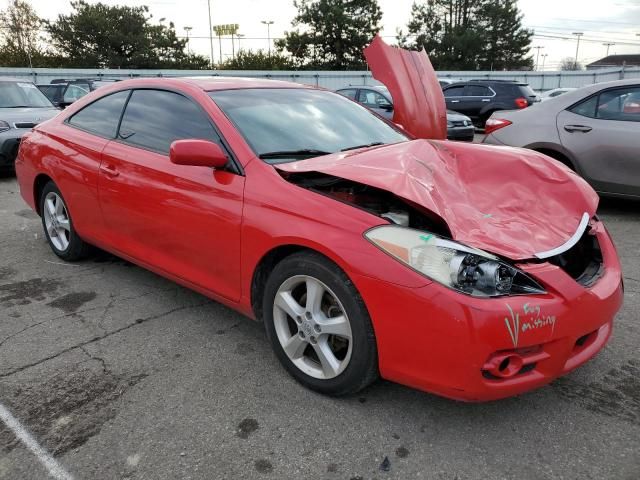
(268, 23)
(544, 57)
(211, 33)
(537, 54)
(577, 34)
(187, 30)
(226, 29)
(608, 45)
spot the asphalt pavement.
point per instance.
(118, 373)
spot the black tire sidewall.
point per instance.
(77, 247)
(363, 365)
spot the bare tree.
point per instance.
(569, 63)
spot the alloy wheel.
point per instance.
(312, 327)
(57, 221)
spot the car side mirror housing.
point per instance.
(197, 153)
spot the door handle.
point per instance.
(455, 101)
(577, 128)
(486, 99)
(109, 170)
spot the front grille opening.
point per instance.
(583, 261)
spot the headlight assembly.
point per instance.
(465, 269)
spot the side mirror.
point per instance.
(197, 153)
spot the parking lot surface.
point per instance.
(119, 373)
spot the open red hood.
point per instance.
(417, 96)
(513, 202)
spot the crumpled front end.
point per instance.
(511, 202)
(478, 349)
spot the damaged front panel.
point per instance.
(374, 200)
(510, 202)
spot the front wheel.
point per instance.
(319, 326)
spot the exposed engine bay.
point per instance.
(371, 199)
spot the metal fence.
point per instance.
(331, 79)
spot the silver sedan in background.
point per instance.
(594, 130)
(22, 107)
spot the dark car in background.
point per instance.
(63, 92)
(478, 99)
(378, 99)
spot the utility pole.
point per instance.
(544, 57)
(188, 29)
(577, 34)
(211, 33)
(538, 54)
(608, 45)
(268, 23)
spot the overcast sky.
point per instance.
(613, 21)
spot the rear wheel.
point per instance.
(58, 225)
(318, 325)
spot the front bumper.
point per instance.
(440, 341)
(9, 144)
(465, 134)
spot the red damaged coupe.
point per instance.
(367, 248)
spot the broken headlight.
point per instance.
(465, 269)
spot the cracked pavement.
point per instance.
(120, 373)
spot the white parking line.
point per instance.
(53, 467)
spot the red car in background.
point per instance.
(367, 249)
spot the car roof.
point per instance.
(572, 96)
(230, 83)
(487, 82)
(372, 87)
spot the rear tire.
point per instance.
(318, 325)
(58, 225)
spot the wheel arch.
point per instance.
(556, 153)
(266, 264)
(38, 186)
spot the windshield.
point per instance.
(22, 94)
(283, 125)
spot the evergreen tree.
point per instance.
(469, 34)
(258, 60)
(105, 36)
(331, 33)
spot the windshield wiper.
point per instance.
(19, 106)
(305, 152)
(373, 144)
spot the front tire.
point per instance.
(319, 326)
(58, 225)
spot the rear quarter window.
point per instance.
(102, 116)
(586, 108)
